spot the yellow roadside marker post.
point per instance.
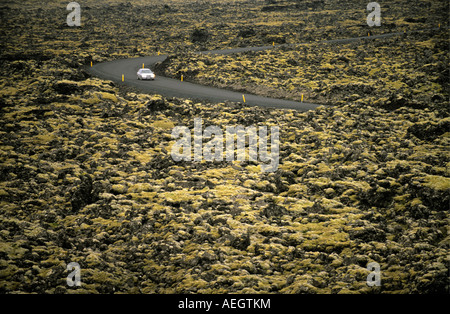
(142, 65)
(123, 78)
(243, 98)
(182, 77)
(302, 97)
(91, 64)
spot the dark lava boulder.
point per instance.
(66, 88)
(429, 131)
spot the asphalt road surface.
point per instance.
(175, 88)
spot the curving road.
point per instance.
(175, 88)
(114, 70)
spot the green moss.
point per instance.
(144, 156)
(300, 205)
(140, 187)
(180, 196)
(8, 91)
(227, 190)
(416, 201)
(7, 272)
(108, 96)
(119, 188)
(355, 185)
(163, 124)
(92, 101)
(13, 250)
(437, 182)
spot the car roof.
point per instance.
(145, 69)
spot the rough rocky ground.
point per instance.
(86, 176)
(97, 185)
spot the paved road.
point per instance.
(175, 88)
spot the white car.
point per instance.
(145, 74)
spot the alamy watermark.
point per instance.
(374, 17)
(187, 150)
(374, 278)
(74, 17)
(74, 278)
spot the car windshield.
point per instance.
(146, 71)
